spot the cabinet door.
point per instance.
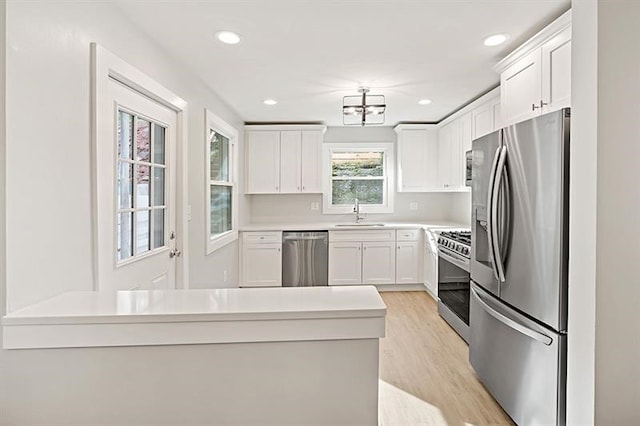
(556, 72)
(417, 160)
(345, 263)
(521, 91)
(408, 255)
(431, 270)
(378, 263)
(449, 161)
(290, 145)
(263, 162)
(484, 120)
(262, 265)
(311, 161)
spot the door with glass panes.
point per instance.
(142, 227)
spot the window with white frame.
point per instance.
(221, 171)
(363, 172)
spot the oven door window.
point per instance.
(453, 288)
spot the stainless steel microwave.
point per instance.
(467, 172)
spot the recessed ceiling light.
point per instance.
(270, 102)
(228, 37)
(424, 101)
(496, 39)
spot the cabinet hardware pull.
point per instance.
(542, 103)
(534, 106)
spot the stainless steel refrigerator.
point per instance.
(519, 255)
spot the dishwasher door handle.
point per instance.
(304, 238)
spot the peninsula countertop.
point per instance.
(152, 317)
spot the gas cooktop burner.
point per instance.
(456, 241)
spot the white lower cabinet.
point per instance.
(261, 259)
(378, 263)
(431, 264)
(375, 257)
(345, 263)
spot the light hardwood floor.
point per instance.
(425, 375)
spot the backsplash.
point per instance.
(296, 208)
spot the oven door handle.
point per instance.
(452, 259)
(491, 213)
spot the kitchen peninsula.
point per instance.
(233, 356)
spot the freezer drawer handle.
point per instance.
(542, 338)
(304, 238)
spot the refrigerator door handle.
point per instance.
(497, 256)
(542, 338)
(491, 212)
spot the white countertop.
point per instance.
(333, 226)
(164, 317)
(202, 305)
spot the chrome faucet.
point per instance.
(356, 210)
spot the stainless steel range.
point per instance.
(454, 248)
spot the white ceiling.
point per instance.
(309, 54)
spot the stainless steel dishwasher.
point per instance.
(304, 258)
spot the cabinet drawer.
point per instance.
(408, 234)
(262, 237)
(377, 235)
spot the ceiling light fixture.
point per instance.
(424, 101)
(228, 37)
(362, 109)
(496, 39)
(270, 102)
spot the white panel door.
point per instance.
(138, 251)
(311, 161)
(520, 87)
(263, 162)
(408, 262)
(262, 265)
(345, 263)
(378, 263)
(290, 144)
(412, 160)
(556, 72)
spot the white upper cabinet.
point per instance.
(311, 161)
(417, 158)
(284, 159)
(486, 118)
(263, 162)
(536, 77)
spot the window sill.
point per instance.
(221, 240)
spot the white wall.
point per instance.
(49, 214)
(296, 208)
(618, 236)
(604, 277)
(582, 215)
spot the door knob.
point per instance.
(174, 253)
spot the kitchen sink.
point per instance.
(358, 225)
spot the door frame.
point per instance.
(105, 66)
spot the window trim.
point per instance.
(218, 125)
(388, 189)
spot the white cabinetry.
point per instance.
(408, 254)
(431, 263)
(263, 162)
(261, 259)
(375, 257)
(417, 158)
(486, 118)
(362, 257)
(284, 159)
(454, 141)
(378, 262)
(536, 77)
